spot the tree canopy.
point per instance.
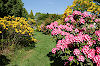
(12, 8)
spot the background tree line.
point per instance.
(14, 8)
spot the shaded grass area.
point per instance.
(4, 60)
(35, 56)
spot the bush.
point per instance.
(15, 31)
(47, 21)
(82, 5)
(78, 39)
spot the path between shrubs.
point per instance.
(36, 56)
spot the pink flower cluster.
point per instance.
(96, 60)
(98, 34)
(98, 50)
(73, 35)
(76, 13)
(85, 49)
(97, 20)
(70, 58)
(81, 58)
(70, 38)
(91, 53)
(76, 52)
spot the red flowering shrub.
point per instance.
(78, 40)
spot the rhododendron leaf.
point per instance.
(77, 63)
(67, 51)
(71, 63)
(75, 60)
(89, 64)
(88, 60)
(80, 47)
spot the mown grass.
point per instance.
(36, 56)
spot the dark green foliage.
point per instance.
(46, 18)
(97, 1)
(12, 8)
(25, 13)
(31, 15)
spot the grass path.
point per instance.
(36, 56)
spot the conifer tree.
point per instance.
(31, 15)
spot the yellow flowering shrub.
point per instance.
(16, 30)
(82, 5)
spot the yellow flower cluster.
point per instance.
(17, 24)
(82, 5)
(39, 27)
(31, 21)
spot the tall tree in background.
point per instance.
(25, 13)
(11, 7)
(31, 15)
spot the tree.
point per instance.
(31, 15)
(25, 13)
(11, 7)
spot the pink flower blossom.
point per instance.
(70, 16)
(98, 50)
(55, 23)
(63, 33)
(84, 28)
(81, 58)
(60, 46)
(82, 20)
(87, 37)
(66, 19)
(68, 24)
(54, 50)
(90, 15)
(66, 64)
(70, 58)
(76, 30)
(85, 49)
(90, 43)
(99, 39)
(49, 27)
(72, 20)
(61, 26)
(85, 14)
(76, 52)
(96, 60)
(72, 26)
(97, 20)
(91, 53)
(76, 13)
(94, 41)
(68, 28)
(91, 25)
(97, 33)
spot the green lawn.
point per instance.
(36, 56)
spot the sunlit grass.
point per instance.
(36, 56)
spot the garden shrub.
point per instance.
(15, 31)
(82, 5)
(78, 39)
(47, 21)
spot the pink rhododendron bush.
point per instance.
(78, 40)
